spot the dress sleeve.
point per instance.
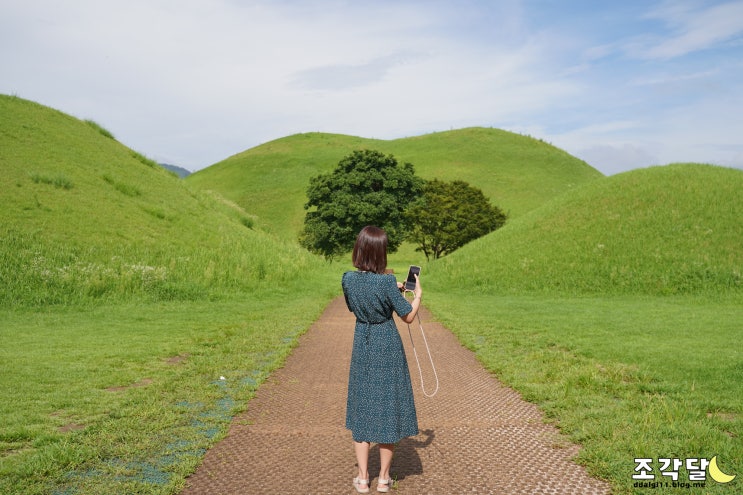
(398, 301)
(345, 291)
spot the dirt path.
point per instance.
(476, 436)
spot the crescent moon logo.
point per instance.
(718, 475)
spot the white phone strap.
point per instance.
(415, 353)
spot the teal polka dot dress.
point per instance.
(380, 405)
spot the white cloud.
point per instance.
(195, 81)
(348, 76)
(694, 29)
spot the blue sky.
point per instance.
(622, 85)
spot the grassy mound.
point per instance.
(85, 217)
(517, 173)
(660, 230)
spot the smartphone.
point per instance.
(410, 281)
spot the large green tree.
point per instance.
(449, 215)
(366, 188)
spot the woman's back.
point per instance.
(373, 297)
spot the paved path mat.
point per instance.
(476, 435)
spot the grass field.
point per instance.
(613, 303)
(626, 377)
(127, 398)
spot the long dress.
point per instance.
(380, 405)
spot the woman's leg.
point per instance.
(362, 459)
(385, 459)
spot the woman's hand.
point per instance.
(418, 290)
(416, 303)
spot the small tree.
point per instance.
(449, 215)
(366, 188)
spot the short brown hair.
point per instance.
(370, 250)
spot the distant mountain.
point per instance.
(180, 171)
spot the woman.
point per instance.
(380, 405)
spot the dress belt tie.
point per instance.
(367, 329)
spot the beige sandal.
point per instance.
(383, 486)
(358, 481)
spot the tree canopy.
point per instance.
(449, 215)
(366, 188)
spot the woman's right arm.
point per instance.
(416, 303)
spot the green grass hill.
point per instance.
(661, 230)
(86, 217)
(517, 173)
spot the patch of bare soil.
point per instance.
(141, 383)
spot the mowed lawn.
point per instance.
(626, 377)
(127, 398)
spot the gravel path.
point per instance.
(476, 435)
